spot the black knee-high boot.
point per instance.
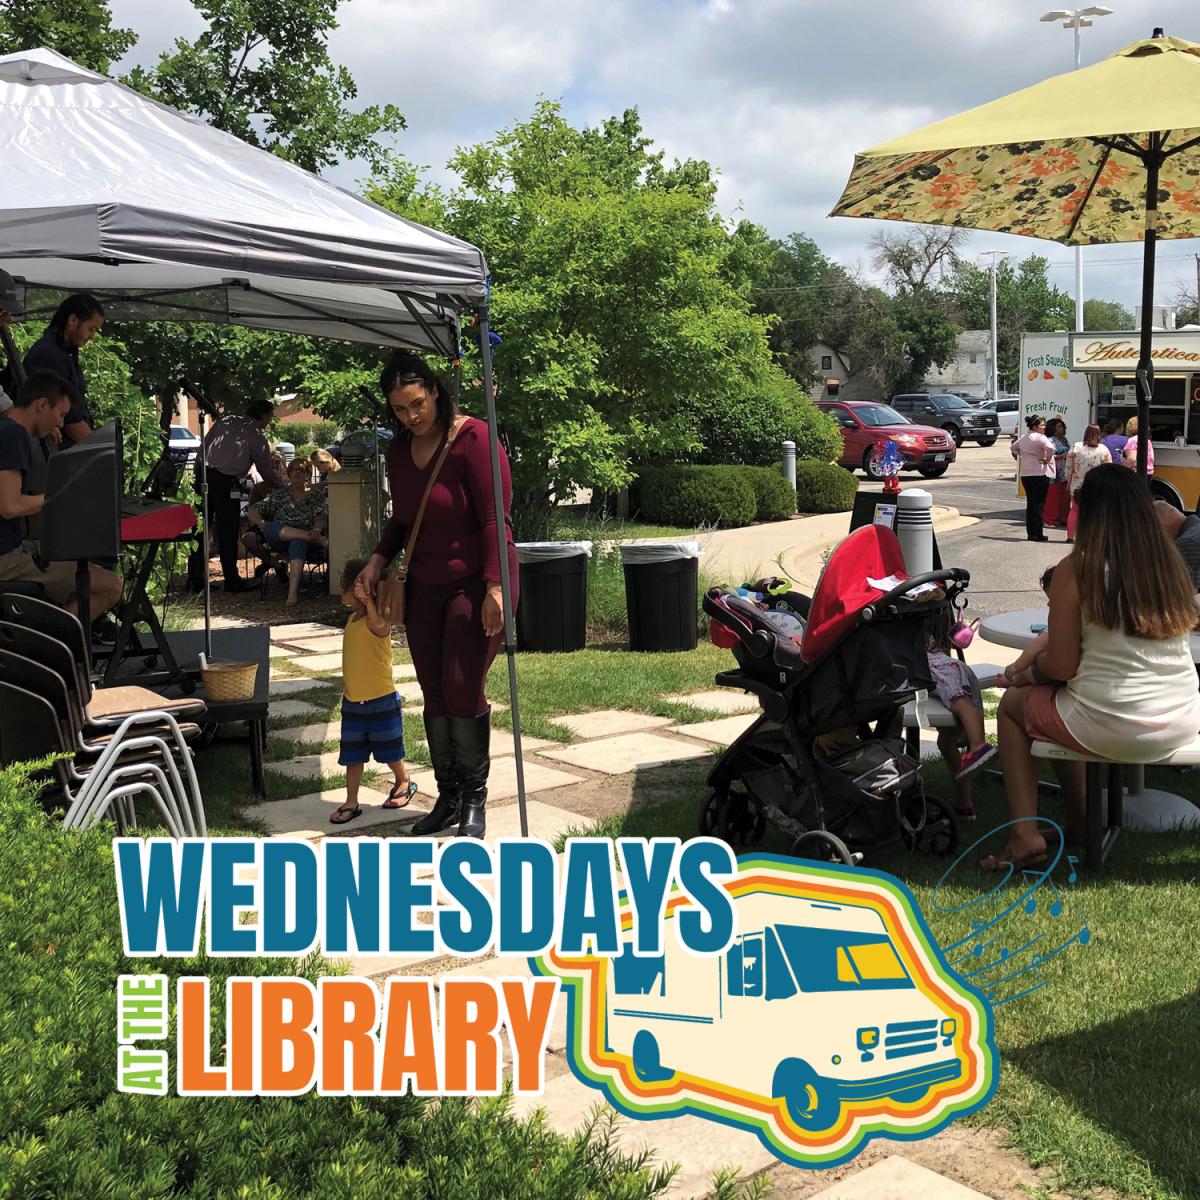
(472, 740)
(445, 770)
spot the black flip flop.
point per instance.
(410, 790)
(350, 814)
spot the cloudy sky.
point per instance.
(777, 94)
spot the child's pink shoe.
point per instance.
(972, 761)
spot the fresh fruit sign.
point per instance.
(1049, 388)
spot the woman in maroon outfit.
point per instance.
(454, 610)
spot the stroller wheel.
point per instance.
(822, 846)
(710, 811)
(940, 835)
(740, 819)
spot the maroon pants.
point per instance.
(452, 654)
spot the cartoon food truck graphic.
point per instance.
(812, 1004)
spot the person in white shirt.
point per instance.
(1035, 454)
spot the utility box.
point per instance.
(354, 519)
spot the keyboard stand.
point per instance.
(136, 609)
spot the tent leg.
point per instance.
(510, 641)
(1145, 366)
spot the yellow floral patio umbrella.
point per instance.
(1110, 153)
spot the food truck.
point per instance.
(1089, 377)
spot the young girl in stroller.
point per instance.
(956, 686)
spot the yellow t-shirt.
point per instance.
(366, 662)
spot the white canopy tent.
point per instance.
(165, 218)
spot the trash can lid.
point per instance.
(658, 552)
(533, 552)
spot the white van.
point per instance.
(816, 1009)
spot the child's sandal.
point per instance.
(401, 794)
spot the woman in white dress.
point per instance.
(1082, 457)
(1115, 678)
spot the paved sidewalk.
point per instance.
(604, 743)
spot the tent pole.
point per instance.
(510, 641)
(1145, 365)
(204, 545)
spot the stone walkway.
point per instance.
(305, 661)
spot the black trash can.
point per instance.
(661, 594)
(552, 610)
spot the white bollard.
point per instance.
(789, 462)
(914, 528)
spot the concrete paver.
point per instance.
(628, 752)
(404, 671)
(317, 734)
(502, 782)
(897, 1178)
(305, 816)
(308, 766)
(325, 644)
(606, 721)
(725, 700)
(724, 732)
(280, 652)
(502, 743)
(700, 1147)
(294, 708)
(300, 629)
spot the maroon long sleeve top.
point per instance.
(458, 535)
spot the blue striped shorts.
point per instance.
(372, 727)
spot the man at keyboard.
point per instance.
(231, 446)
(39, 409)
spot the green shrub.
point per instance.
(694, 496)
(768, 411)
(66, 1132)
(823, 488)
(773, 495)
(316, 433)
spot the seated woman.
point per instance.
(325, 465)
(291, 518)
(1115, 678)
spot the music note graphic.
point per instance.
(1071, 861)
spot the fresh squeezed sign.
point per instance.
(1049, 388)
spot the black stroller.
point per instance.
(826, 761)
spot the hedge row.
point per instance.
(303, 433)
(824, 488)
(66, 1132)
(728, 497)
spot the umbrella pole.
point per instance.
(510, 641)
(1145, 365)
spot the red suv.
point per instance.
(867, 426)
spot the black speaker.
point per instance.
(81, 517)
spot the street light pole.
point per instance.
(994, 383)
(1075, 20)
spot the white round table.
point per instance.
(1016, 629)
(1146, 810)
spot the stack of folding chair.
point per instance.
(115, 743)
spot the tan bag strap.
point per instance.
(402, 570)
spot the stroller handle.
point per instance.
(952, 575)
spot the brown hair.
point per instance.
(1091, 435)
(351, 571)
(1129, 575)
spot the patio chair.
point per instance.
(140, 740)
(30, 729)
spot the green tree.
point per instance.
(262, 71)
(916, 263)
(622, 297)
(795, 292)
(1026, 302)
(1106, 314)
(82, 30)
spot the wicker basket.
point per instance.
(226, 681)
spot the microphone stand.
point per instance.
(203, 409)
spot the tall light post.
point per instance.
(1077, 19)
(994, 383)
